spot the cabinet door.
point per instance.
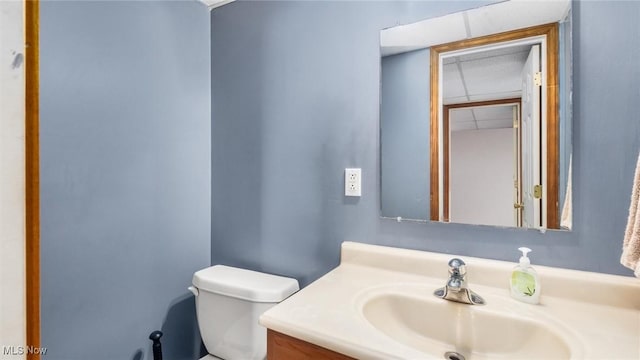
(284, 347)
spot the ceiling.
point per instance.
(212, 4)
(484, 20)
(488, 75)
(481, 118)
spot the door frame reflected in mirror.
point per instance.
(550, 188)
(446, 140)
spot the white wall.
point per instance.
(481, 177)
(12, 182)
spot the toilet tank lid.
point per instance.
(245, 284)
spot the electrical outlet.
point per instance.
(352, 182)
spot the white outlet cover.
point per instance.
(352, 182)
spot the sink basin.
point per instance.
(435, 327)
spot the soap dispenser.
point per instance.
(525, 285)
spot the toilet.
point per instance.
(229, 302)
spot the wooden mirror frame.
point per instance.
(552, 111)
(32, 174)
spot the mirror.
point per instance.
(475, 117)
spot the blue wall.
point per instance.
(404, 135)
(125, 176)
(295, 100)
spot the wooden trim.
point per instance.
(552, 111)
(553, 127)
(484, 103)
(285, 347)
(32, 164)
(498, 38)
(435, 159)
(445, 141)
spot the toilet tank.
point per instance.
(229, 302)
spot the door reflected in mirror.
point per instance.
(490, 145)
(483, 182)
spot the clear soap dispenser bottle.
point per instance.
(525, 285)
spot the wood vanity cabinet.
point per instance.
(285, 347)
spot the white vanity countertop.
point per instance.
(598, 314)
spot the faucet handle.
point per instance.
(457, 267)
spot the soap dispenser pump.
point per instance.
(525, 285)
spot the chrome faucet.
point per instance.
(457, 288)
